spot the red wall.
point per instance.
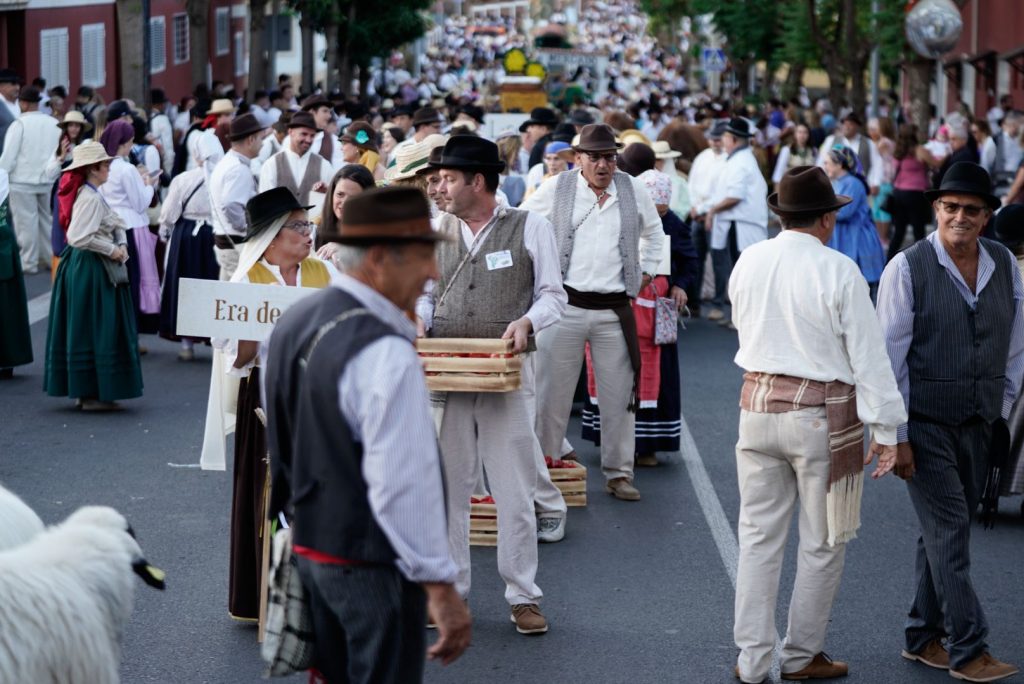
(73, 18)
(1000, 29)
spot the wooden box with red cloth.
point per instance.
(483, 521)
(469, 365)
(571, 479)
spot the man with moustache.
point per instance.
(297, 167)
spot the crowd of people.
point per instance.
(580, 236)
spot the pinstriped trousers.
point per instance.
(950, 465)
(369, 623)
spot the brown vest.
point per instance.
(327, 146)
(309, 179)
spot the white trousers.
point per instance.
(495, 428)
(780, 457)
(559, 360)
(32, 224)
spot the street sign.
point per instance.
(713, 60)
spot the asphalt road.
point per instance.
(636, 593)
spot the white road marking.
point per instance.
(38, 308)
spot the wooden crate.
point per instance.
(494, 368)
(483, 524)
(572, 482)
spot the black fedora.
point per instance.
(394, 214)
(597, 137)
(157, 96)
(805, 191)
(1009, 225)
(540, 116)
(263, 209)
(966, 178)
(470, 153)
(716, 130)
(739, 127)
(9, 76)
(244, 126)
(432, 161)
(581, 117)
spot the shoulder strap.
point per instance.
(184, 205)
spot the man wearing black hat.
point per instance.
(345, 399)
(28, 146)
(231, 185)
(707, 165)
(808, 335)
(863, 146)
(297, 167)
(326, 145)
(161, 128)
(10, 84)
(738, 216)
(498, 279)
(950, 307)
(537, 133)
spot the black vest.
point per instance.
(315, 463)
(957, 360)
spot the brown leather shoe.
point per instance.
(528, 619)
(646, 460)
(621, 488)
(820, 667)
(934, 654)
(984, 668)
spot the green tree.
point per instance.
(751, 29)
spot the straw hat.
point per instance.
(630, 136)
(662, 150)
(411, 159)
(76, 117)
(86, 154)
(222, 106)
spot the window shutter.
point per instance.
(157, 45)
(94, 67)
(53, 56)
(181, 39)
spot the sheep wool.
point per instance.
(67, 595)
(18, 522)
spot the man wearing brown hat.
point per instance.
(326, 145)
(808, 335)
(231, 185)
(609, 238)
(345, 398)
(498, 279)
(297, 167)
(950, 307)
(425, 121)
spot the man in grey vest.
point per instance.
(498, 279)
(864, 147)
(345, 398)
(1001, 153)
(609, 238)
(297, 167)
(950, 307)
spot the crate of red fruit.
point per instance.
(454, 364)
(571, 479)
(483, 521)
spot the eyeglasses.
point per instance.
(300, 227)
(970, 210)
(597, 157)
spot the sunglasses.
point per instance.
(300, 227)
(970, 210)
(598, 157)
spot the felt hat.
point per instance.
(470, 153)
(86, 154)
(117, 109)
(739, 127)
(635, 159)
(1009, 225)
(30, 94)
(157, 96)
(394, 214)
(244, 126)
(854, 117)
(9, 76)
(315, 102)
(424, 116)
(473, 111)
(222, 106)
(662, 150)
(805, 191)
(564, 132)
(716, 130)
(302, 120)
(581, 117)
(266, 207)
(413, 158)
(360, 134)
(966, 178)
(281, 125)
(76, 117)
(540, 116)
(597, 137)
(433, 159)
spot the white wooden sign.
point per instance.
(237, 311)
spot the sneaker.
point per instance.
(934, 654)
(984, 668)
(550, 527)
(529, 619)
(715, 315)
(622, 488)
(647, 460)
(820, 667)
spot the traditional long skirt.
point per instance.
(15, 333)
(247, 503)
(143, 279)
(189, 255)
(91, 347)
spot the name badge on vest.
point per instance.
(496, 260)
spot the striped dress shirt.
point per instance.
(896, 313)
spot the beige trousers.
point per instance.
(548, 498)
(559, 360)
(781, 457)
(32, 225)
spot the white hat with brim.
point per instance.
(222, 106)
(87, 154)
(411, 159)
(76, 117)
(662, 150)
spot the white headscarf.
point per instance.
(254, 248)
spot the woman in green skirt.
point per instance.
(92, 349)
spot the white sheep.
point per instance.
(18, 522)
(65, 597)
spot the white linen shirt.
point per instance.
(30, 142)
(707, 166)
(126, 194)
(209, 151)
(160, 127)
(595, 264)
(803, 310)
(231, 185)
(740, 178)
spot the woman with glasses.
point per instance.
(276, 252)
(854, 234)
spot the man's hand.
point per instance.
(645, 280)
(518, 330)
(450, 614)
(886, 458)
(709, 220)
(904, 461)
(678, 296)
(421, 328)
